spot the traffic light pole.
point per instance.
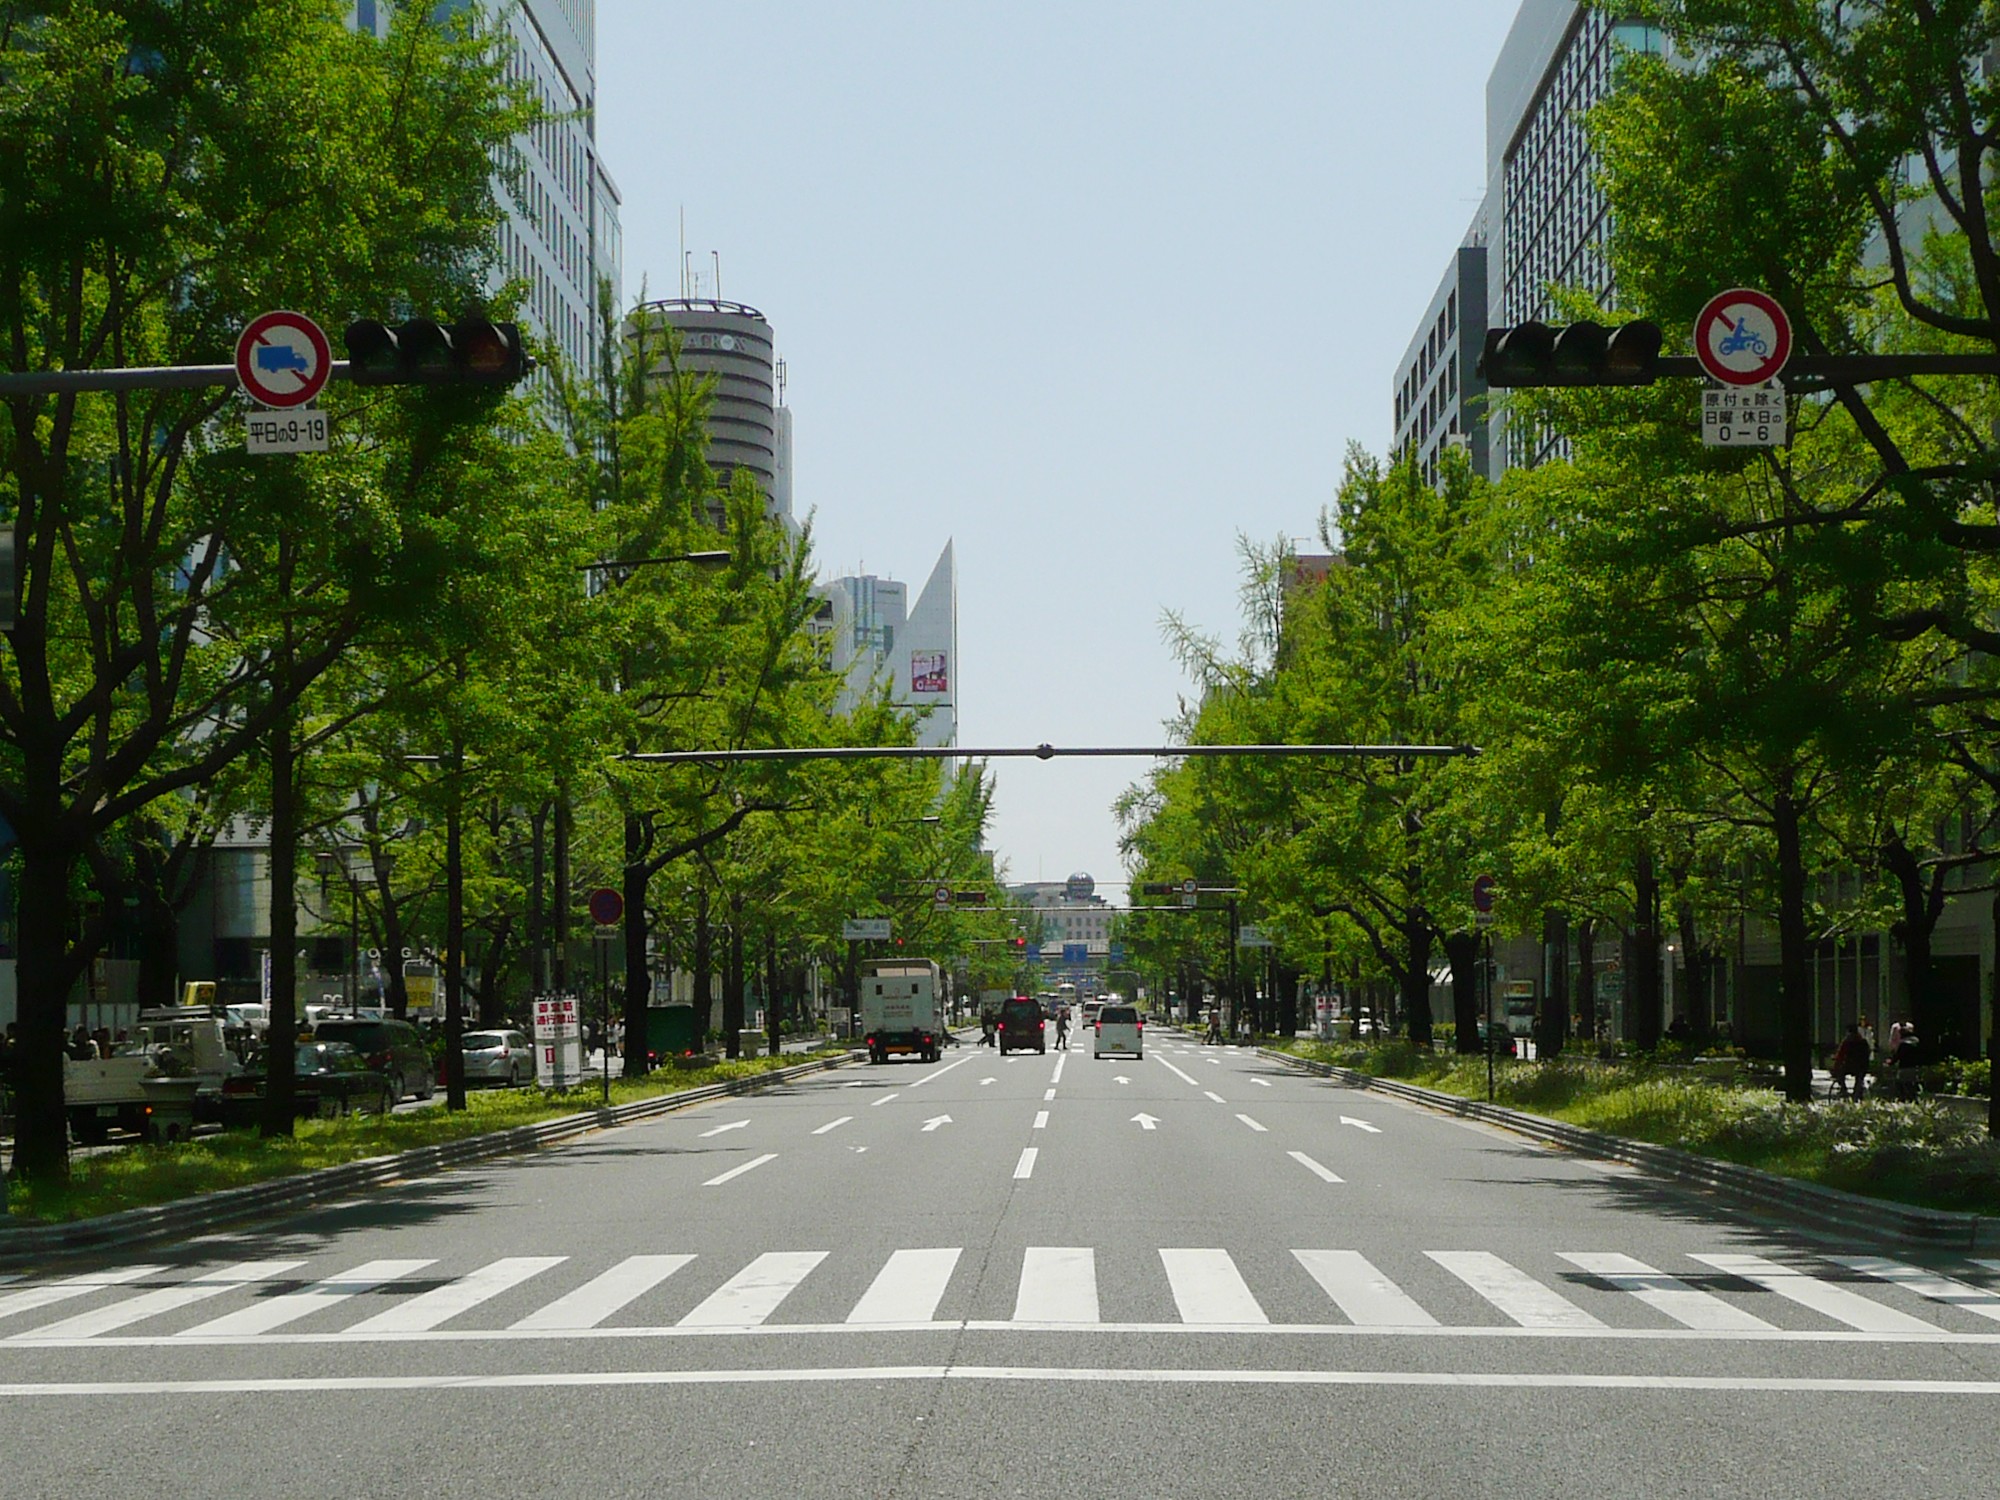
(143, 378)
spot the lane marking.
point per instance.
(275, 1312)
(1359, 1124)
(1215, 1096)
(753, 1293)
(1670, 1295)
(167, 1299)
(834, 1124)
(938, 1073)
(1048, 1094)
(1146, 1121)
(600, 1297)
(908, 1289)
(1058, 1285)
(1261, 1082)
(1364, 1294)
(1253, 1124)
(884, 1100)
(1312, 1166)
(1056, 1077)
(984, 1081)
(1822, 1297)
(1187, 1078)
(721, 1129)
(935, 1122)
(1513, 1291)
(425, 1312)
(1025, 1167)
(748, 1166)
(1041, 1119)
(1974, 1299)
(1209, 1289)
(335, 1384)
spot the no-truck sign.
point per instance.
(283, 359)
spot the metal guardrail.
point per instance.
(133, 1226)
(1750, 1186)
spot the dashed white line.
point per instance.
(1312, 1166)
(1253, 1124)
(1048, 1094)
(833, 1125)
(1261, 1082)
(1215, 1096)
(1041, 1119)
(884, 1100)
(1184, 1077)
(1025, 1167)
(748, 1166)
(940, 1072)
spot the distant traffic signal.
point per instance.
(471, 351)
(1020, 942)
(1578, 354)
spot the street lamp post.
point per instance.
(328, 861)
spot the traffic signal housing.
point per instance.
(472, 351)
(1576, 354)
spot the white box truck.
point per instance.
(899, 1009)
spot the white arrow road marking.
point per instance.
(1025, 1167)
(1312, 1166)
(1147, 1122)
(1262, 1083)
(732, 1125)
(1215, 1096)
(984, 1081)
(833, 1125)
(1121, 1078)
(1041, 1119)
(1359, 1124)
(1253, 1124)
(935, 1121)
(748, 1166)
(884, 1100)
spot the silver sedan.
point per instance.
(498, 1057)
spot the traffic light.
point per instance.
(1019, 943)
(471, 351)
(968, 898)
(1158, 888)
(1578, 354)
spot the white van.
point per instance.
(1118, 1029)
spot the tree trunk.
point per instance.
(538, 901)
(704, 967)
(282, 1022)
(1416, 977)
(1794, 975)
(1586, 981)
(732, 982)
(1698, 969)
(44, 969)
(1552, 1027)
(1462, 949)
(1923, 906)
(638, 981)
(559, 897)
(159, 923)
(454, 936)
(1642, 978)
(774, 1009)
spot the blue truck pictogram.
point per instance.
(271, 357)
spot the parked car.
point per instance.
(386, 1044)
(331, 1079)
(497, 1057)
(1022, 1026)
(1118, 1029)
(1499, 1038)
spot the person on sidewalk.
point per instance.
(1850, 1062)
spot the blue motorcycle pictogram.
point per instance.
(1740, 338)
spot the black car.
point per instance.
(388, 1045)
(332, 1079)
(1022, 1026)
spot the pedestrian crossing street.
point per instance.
(1582, 1294)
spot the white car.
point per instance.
(1118, 1029)
(498, 1057)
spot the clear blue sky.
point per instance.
(1091, 287)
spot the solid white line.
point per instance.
(167, 1299)
(1058, 1285)
(1184, 1077)
(753, 1293)
(1215, 1096)
(1822, 1297)
(1041, 1119)
(748, 1166)
(1025, 1167)
(1667, 1294)
(1253, 1124)
(1209, 1289)
(833, 1125)
(1368, 1297)
(1513, 1291)
(862, 1374)
(908, 1289)
(884, 1100)
(1312, 1166)
(74, 1286)
(275, 1312)
(455, 1297)
(1974, 1299)
(600, 1297)
(937, 1073)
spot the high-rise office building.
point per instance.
(879, 640)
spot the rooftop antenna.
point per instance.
(684, 252)
(718, 273)
(781, 382)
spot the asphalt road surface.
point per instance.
(1192, 1274)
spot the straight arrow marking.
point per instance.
(935, 1121)
(1147, 1122)
(732, 1125)
(1359, 1125)
(1121, 1078)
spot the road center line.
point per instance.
(1215, 1096)
(1041, 1119)
(1312, 1166)
(833, 1125)
(1253, 1124)
(748, 1166)
(1048, 1094)
(1183, 1077)
(940, 1072)
(1061, 1058)
(884, 1100)
(1025, 1167)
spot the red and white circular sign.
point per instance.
(283, 359)
(1743, 337)
(606, 906)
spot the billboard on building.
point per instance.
(928, 672)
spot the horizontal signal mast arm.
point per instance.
(1042, 752)
(152, 378)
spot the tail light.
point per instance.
(1099, 1028)
(378, 1059)
(1041, 1025)
(1001, 1027)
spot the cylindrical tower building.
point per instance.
(733, 344)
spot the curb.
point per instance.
(1750, 1186)
(135, 1226)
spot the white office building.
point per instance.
(878, 639)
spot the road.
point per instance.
(1194, 1274)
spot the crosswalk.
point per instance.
(1583, 1294)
